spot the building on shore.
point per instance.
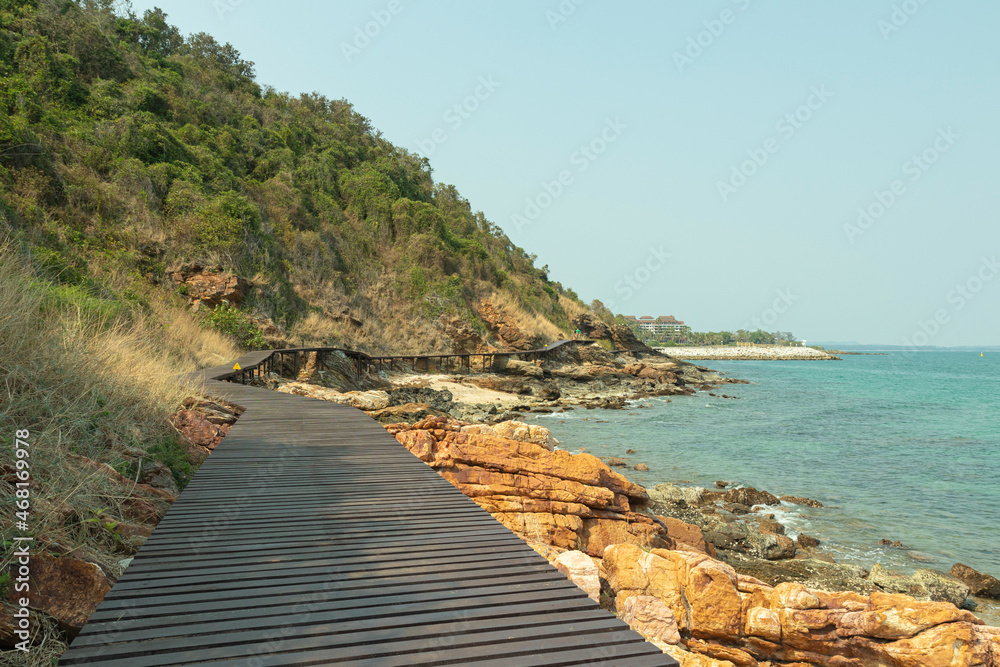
(664, 324)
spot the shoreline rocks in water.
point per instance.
(709, 587)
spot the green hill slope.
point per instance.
(128, 152)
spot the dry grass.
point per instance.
(573, 308)
(533, 324)
(87, 388)
(190, 345)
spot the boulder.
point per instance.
(670, 493)
(769, 546)
(807, 541)
(439, 399)
(687, 536)
(725, 617)
(651, 618)
(582, 571)
(408, 412)
(979, 584)
(516, 430)
(568, 501)
(922, 585)
(66, 589)
(158, 476)
(749, 496)
(941, 587)
(523, 369)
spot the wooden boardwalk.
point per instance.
(311, 537)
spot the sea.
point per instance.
(903, 446)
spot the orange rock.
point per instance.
(475, 482)
(700, 591)
(66, 589)
(794, 596)
(581, 570)
(762, 622)
(600, 533)
(686, 533)
(420, 443)
(895, 616)
(558, 530)
(731, 654)
(513, 456)
(651, 618)
(947, 645)
(813, 630)
(196, 429)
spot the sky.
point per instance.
(826, 168)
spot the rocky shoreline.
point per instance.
(789, 602)
(755, 352)
(707, 576)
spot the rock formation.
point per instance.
(569, 501)
(506, 329)
(209, 286)
(741, 621)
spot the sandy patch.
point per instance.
(463, 393)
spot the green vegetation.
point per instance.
(758, 337)
(231, 321)
(127, 152)
(126, 149)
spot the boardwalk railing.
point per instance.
(295, 358)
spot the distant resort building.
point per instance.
(659, 325)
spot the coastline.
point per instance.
(413, 397)
(748, 353)
(666, 560)
(583, 514)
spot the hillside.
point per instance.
(137, 164)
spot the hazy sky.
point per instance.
(707, 160)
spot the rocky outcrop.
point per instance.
(209, 286)
(197, 429)
(591, 327)
(749, 496)
(464, 339)
(568, 501)
(730, 617)
(506, 328)
(924, 584)
(979, 584)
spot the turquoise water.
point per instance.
(904, 447)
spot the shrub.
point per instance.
(228, 319)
